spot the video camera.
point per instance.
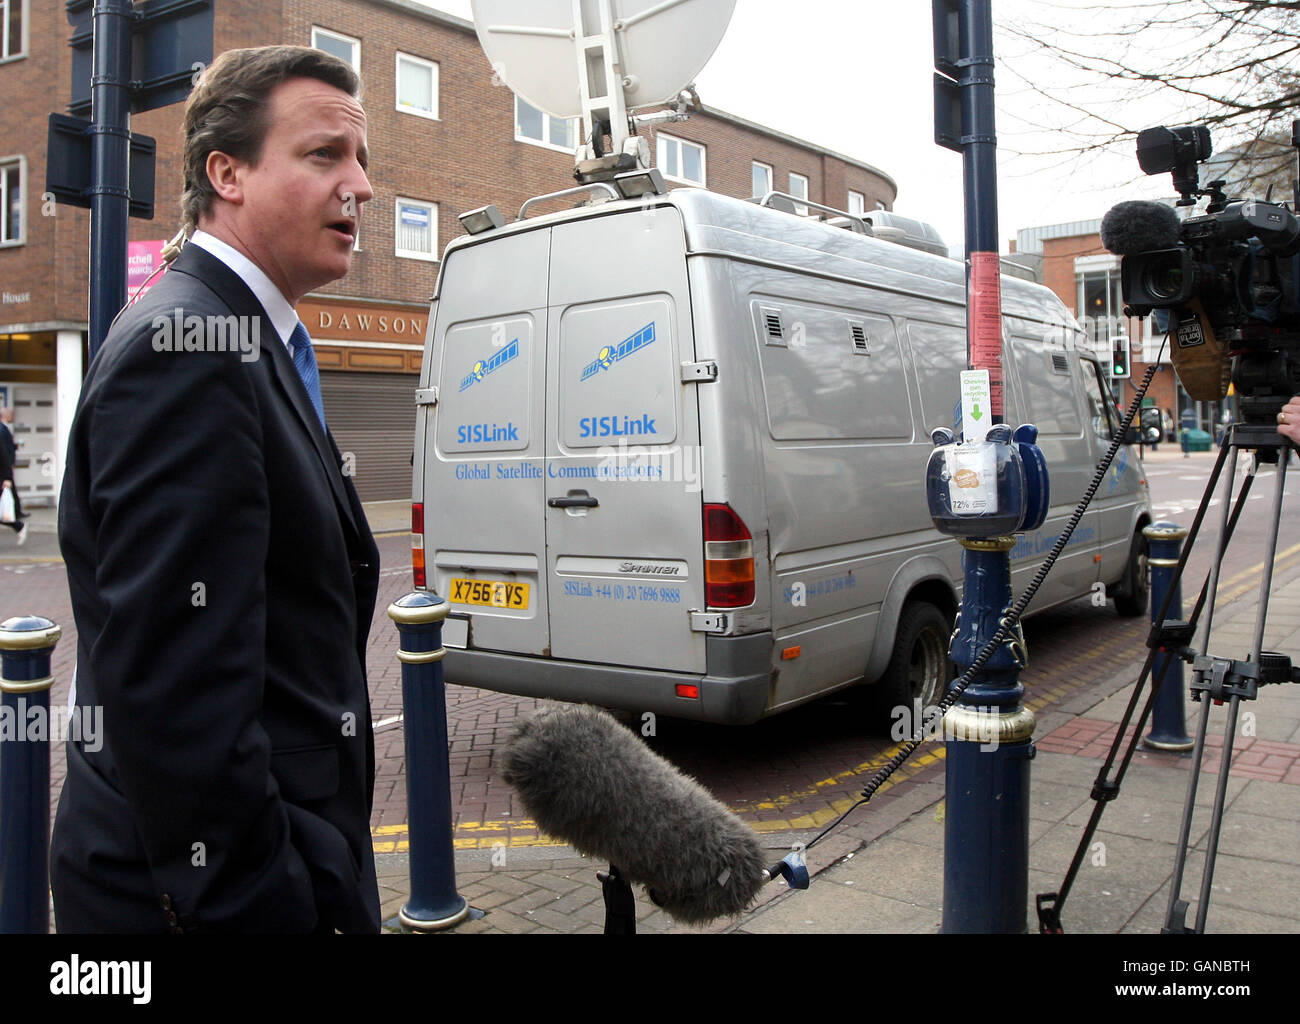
(1227, 282)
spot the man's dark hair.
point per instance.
(227, 111)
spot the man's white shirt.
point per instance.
(283, 317)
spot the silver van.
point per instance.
(670, 457)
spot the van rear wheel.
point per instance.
(919, 668)
(1134, 591)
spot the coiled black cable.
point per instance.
(1012, 617)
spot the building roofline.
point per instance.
(754, 126)
(428, 14)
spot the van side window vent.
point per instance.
(860, 342)
(1060, 365)
(773, 322)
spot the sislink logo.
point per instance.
(485, 366)
(611, 354)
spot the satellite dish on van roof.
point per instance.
(662, 45)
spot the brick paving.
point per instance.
(1252, 758)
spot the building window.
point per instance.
(416, 229)
(344, 47)
(762, 179)
(799, 189)
(880, 205)
(417, 86)
(681, 160)
(541, 129)
(857, 203)
(12, 222)
(11, 29)
(1100, 302)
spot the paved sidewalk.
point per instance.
(882, 871)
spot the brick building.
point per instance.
(1071, 261)
(444, 137)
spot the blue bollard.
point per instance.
(434, 904)
(1168, 719)
(989, 747)
(26, 646)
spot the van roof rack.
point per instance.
(787, 203)
(591, 186)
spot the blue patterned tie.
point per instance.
(304, 361)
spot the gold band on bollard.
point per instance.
(29, 639)
(976, 726)
(987, 543)
(421, 657)
(419, 616)
(1164, 532)
(26, 686)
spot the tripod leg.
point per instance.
(1173, 913)
(1174, 921)
(1261, 616)
(1221, 546)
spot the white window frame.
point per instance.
(317, 30)
(431, 114)
(545, 141)
(861, 204)
(411, 254)
(7, 49)
(771, 176)
(661, 163)
(21, 163)
(799, 209)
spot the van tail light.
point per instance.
(417, 544)
(728, 559)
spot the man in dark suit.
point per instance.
(222, 574)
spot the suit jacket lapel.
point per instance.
(202, 265)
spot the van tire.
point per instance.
(1133, 594)
(919, 667)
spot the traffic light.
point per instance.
(1119, 358)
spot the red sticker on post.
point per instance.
(984, 308)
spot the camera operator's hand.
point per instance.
(1288, 420)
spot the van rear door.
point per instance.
(623, 511)
(484, 487)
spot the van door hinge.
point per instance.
(426, 396)
(699, 373)
(709, 622)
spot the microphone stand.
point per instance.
(620, 903)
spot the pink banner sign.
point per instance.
(142, 259)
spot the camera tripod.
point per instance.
(1215, 679)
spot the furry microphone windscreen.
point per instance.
(589, 781)
(1139, 225)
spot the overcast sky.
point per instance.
(856, 76)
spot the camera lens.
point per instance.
(1164, 279)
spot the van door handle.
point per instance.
(584, 502)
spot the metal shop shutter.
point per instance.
(372, 415)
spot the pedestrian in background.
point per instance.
(8, 456)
